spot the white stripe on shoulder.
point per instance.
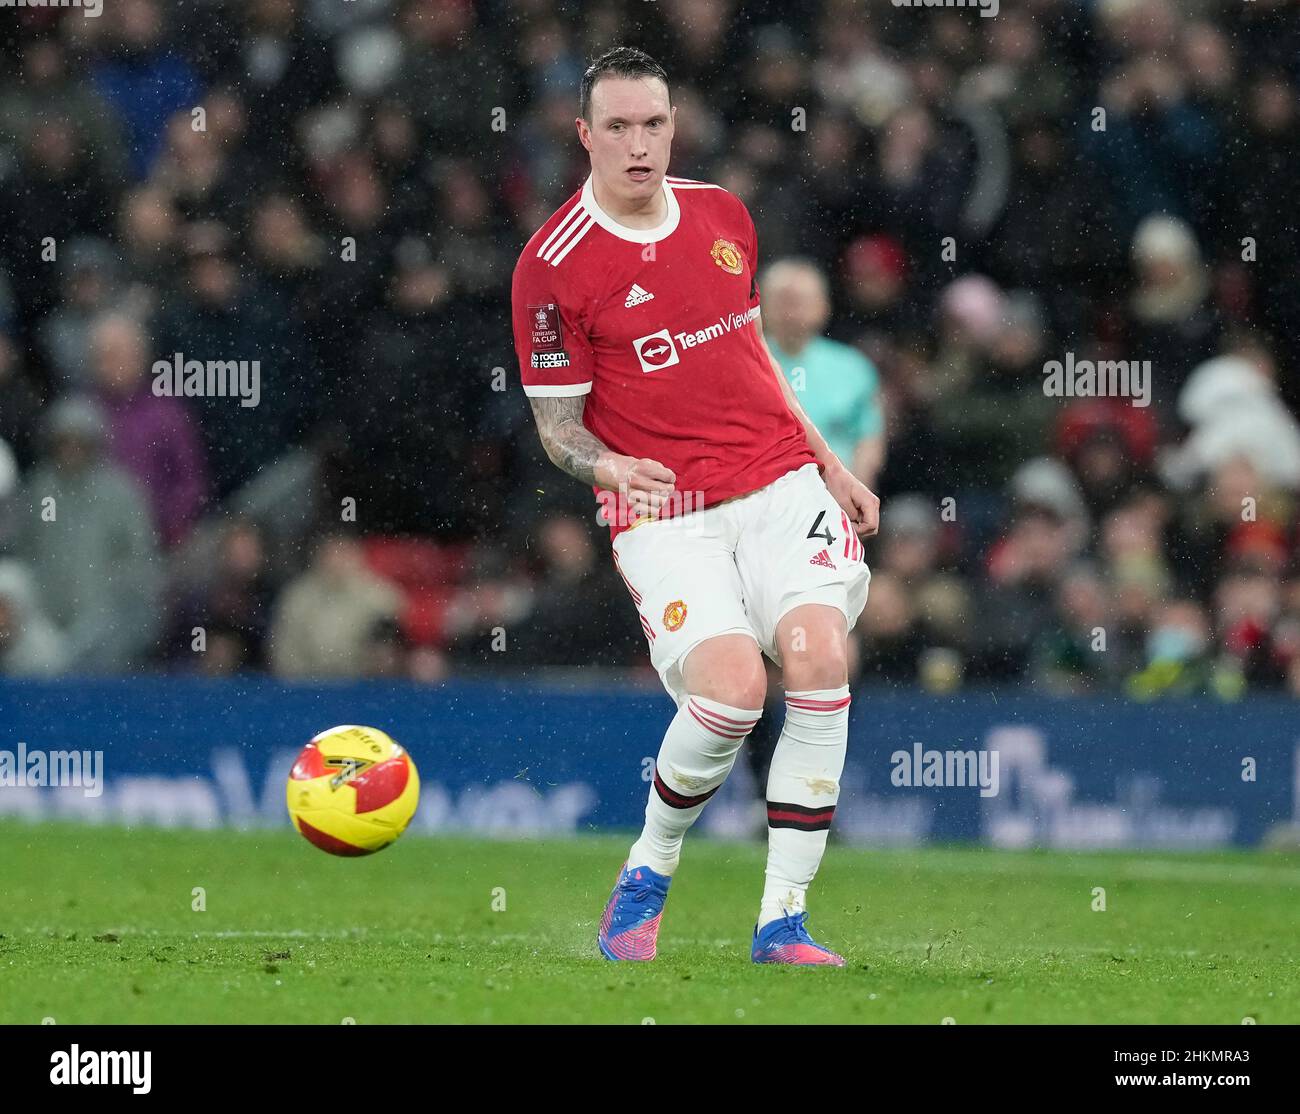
(581, 230)
(574, 213)
(691, 184)
(563, 390)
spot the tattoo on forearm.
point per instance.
(570, 445)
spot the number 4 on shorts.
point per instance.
(824, 532)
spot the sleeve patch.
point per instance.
(546, 331)
(550, 359)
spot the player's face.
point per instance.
(630, 135)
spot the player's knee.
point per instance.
(828, 670)
(728, 669)
(745, 687)
(814, 651)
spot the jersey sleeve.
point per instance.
(555, 356)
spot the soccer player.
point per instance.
(736, 529)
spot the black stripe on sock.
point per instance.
(803, 818)
(673, 799)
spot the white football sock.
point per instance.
(803, 787)
(698, 751)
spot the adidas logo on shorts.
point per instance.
(636, 296)
(823, 559)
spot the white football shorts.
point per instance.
(739, 566)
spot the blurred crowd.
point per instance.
(335, 195)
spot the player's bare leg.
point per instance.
(725, 683)
(803, 784)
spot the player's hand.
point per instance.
(858, 501)
(645, 484)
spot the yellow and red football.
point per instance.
(352, 790)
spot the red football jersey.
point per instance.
(657, 328)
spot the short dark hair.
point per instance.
(621, 61)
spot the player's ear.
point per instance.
(584, 132)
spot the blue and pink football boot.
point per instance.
(786, 940)
(630, 926)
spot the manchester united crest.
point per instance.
(674, 615)
(727, 256)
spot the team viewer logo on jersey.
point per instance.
(674, 615)
(727, 256)
(656, 351)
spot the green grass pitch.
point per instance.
(98, 926)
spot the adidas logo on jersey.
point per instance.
(823, 559)
(636, 296)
